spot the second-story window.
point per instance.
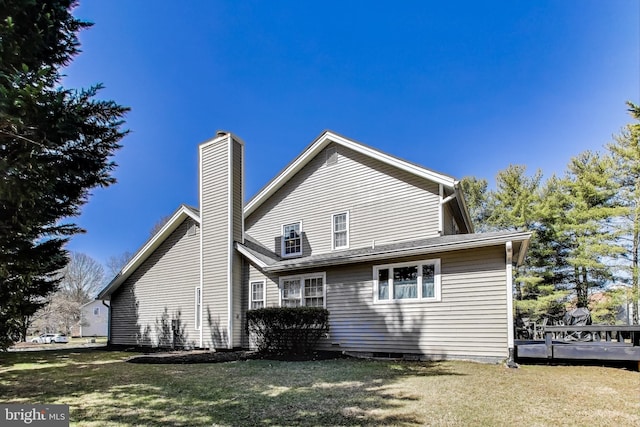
(292, 239)
(340, 230)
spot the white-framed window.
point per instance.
(257, 294)
(96, 311)
(307, 290)
(340, 230)
(292, 239)
(198, 307)
(407, 282)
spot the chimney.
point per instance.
(222, 224)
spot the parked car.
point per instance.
(50, 339)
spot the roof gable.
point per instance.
(325, 139)
(182, 213)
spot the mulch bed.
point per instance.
(204, 356)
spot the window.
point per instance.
(314, 292)
(307, 290)
(291, 293)
(340, 230)
(198, 298)
(257, 292)
(292, 239)
(96, 311)
(411, 281)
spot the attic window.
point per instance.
(332, 155)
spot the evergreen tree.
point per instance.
(586, 237)
(477, 198)
(519, 203)
(55, 145)
(626, 154)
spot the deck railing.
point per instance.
(595, 333)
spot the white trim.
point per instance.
(302, 278)
(242, 189)
(323, 140)
(149, 247)
(230, 243)
(200, 149)
(264, 292)
(484, 241)
(251, 257)
(440, 210)
(166, 229)
(297, 254)
(509, 268)
(333, 230)
(437, 282)
(197, 308)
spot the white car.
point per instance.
(51, 339)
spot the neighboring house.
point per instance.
(94, 319)
(386, 245)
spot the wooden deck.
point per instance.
(593, 342)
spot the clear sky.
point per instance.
(461, 87)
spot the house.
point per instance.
(386, 245)
(94, 319)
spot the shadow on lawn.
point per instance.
(254, 392)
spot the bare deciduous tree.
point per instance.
(80, 281)
(116, 262)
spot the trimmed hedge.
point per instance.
(287, 330)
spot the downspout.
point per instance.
(440, 210)
(511, 363)
(108, 322)
(443, 201)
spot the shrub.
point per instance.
(287, 330)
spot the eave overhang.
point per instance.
(431, 246)
(182, 213)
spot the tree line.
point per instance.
(585, 228)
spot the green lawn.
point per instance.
(103, 390)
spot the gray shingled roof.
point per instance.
(273, 263)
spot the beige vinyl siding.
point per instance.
(385, 204)
(162, 289)
(237, 217)
(271, 283)
(469, 322)
(216, 243)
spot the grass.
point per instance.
(103, 390)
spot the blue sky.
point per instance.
(461, 87)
